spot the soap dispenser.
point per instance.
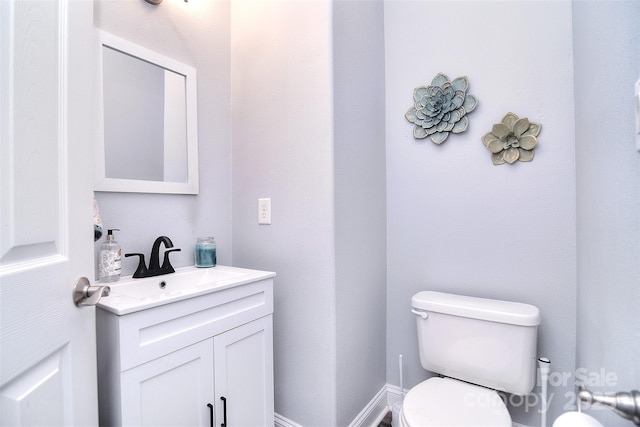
(109, 260)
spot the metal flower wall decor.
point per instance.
(513, 139)
(441, 108)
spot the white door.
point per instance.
(243, 374)
(47, 344)
(172, 390)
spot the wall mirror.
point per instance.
(147, 121)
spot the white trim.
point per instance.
(374, 412)
(280, 421)
(370, 416)
(393, 394)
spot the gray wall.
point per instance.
(196, 34)
(607, 64)
(308, 131)
(456, 222)
(360, 195)
(282, 132)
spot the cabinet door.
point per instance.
(173, 390)
(244, 374)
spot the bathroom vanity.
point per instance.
(193, 348)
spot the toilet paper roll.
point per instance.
(576, 419)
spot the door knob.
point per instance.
(84, 294)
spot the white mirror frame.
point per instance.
(101, 181)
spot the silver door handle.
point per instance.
(84, 294)
(627, 405)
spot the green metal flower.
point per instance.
(441, 108)
(513, 139)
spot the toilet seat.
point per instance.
(449, 402)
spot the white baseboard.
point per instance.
(372, 414)
(393, 394)
(280, 421)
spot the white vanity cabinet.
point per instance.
(200, 361)
(172, 390)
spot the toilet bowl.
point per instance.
(478, 346)
(448, 402)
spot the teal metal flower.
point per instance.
(441, 108)
(513, 139)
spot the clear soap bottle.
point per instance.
(109, 259)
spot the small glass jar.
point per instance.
(205, 252)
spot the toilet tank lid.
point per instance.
(514, 313)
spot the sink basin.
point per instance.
(129, 295)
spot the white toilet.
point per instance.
(479, 346)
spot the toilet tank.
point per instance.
(482, 341)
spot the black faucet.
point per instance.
(154, 263)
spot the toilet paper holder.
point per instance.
(625, 404)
